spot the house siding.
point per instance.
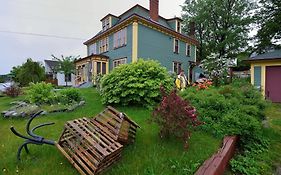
(172, 24)
(121, 52)
(159, 46)
(114, 21)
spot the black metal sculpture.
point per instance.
(34, 139)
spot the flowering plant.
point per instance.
(203, 84)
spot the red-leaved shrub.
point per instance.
(175, 116)
(12, 91)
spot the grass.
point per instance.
(273, 114)
(271, 159)
(148, 155)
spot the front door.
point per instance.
(273, 83)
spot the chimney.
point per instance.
(154, 10)
(192, 29)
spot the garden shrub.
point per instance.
(175, 116)
(70, 95)
(97, 81)
(135, 83)
(234, 110)
(250, 161)
(229, 110)
(238, 123)
(13, 90)
(40, 93)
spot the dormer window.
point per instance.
(178, 26)
(105, 24)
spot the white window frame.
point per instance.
(178, 65)
(120, 38)
(188, 49)
(178, 51)
(119, 61)
(106, 24)
(178, 26)
(104, 45)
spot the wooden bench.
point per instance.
(92, 145)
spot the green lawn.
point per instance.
(148, 155)
(273, 114)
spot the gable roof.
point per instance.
(142, 13)
(51, 63)
(276, 54)
(155, 25)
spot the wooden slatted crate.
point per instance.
(88, 150)
(92, 145)
(116, 124)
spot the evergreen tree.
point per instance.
(28, 72)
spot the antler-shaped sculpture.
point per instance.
(34, 139)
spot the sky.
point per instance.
(63, 26)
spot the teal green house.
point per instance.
(138, 33)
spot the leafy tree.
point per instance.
(268, 19)
(2, 79)
(14, 72)
(222, 27)
(28, 72)
(66, 65)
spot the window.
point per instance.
(103, 45)
(176, 46)
(105, 24)
(176, 67)
(119, 61)
(101, 67)
(67, 77)
(93, 49)
(98, 67)
(120, 38)
(178, 26)
(187, 49)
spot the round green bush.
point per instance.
(69, 95)
(136, 83)
(40, 93)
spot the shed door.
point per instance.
(273, 83)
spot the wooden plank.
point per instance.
(71, 160)
(91, 127)
(105, 128)
(102, 141)
(113, 115)
(104, 136)
(89, 139)
(86, 157)
(92, 150)
(113, 126)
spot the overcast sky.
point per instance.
(77, 20)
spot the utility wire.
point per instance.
(42, 35)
